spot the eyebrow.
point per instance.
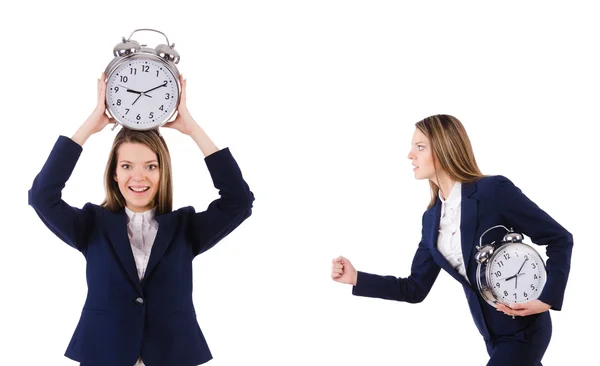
(148, 162)
(418, 142)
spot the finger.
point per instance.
(338, 266)
(101, 92)
(518, 306)
(338, 270)
(336, 275)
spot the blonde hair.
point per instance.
(114, 200)
(452, 148)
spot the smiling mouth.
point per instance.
(139, 189)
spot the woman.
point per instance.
(463, 205)
(139, 253)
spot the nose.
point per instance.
(137, 174)
(410, 155)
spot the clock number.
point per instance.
(168, 96)
(118, 101)
(532, 287)
(156, 73)
(500, 264)
(515, 295)
(525, 294)
(505, 293)
(533, 266)
(138, 117)
(527, 257)
(123, 78)
(116, 89)
(498, 273)
(162, 108)
(151, 115)
(535, 277)
(498, 284)
(507, 256)
(127, 109)
(132, 71)
(145, 68)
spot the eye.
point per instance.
(125, 166)
(152, 166)
(420, 147)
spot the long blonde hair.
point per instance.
(114, 200)
(452, 148)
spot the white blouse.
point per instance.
(449, 243)
(141, 229)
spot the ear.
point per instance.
(115, 177)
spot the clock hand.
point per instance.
(518, 273)
(136, 99)
(160, 86)
(526, 259)
(511, 277)
(130, 90)
(135, 91)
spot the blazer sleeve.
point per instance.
(70, 224)
(526, 217)
(413, 289)
(226, 213)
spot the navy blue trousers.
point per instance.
(526, 348)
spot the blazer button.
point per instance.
(139, 301)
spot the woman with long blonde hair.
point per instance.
(464, 204)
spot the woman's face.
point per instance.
(138, 175)
(421, 156)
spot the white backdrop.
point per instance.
(317, 101)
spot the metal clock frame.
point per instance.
(485, 256)
(129, 50)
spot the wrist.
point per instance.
(81, 135)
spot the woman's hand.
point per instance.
(98, 119)
(183, 122)
(524, 309)
(343, 271)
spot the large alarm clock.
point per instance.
(509, 272)
(142, 84)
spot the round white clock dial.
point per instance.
(142, 93)
(516, 273)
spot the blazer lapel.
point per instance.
(468, 221)
(167, 224)
(435, 214)
(117, 231)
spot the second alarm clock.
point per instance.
(509, 272)
(142, 84)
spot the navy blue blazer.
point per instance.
(123, 317)
(489, 201)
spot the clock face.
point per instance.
(142, 93)
(517, 273)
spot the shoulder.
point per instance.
(495, 187)
(491, 182)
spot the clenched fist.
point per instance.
(343, 271)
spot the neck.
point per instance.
(445, 184)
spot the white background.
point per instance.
(317, 101)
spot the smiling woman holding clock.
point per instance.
(139, 252)
(464, 206)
